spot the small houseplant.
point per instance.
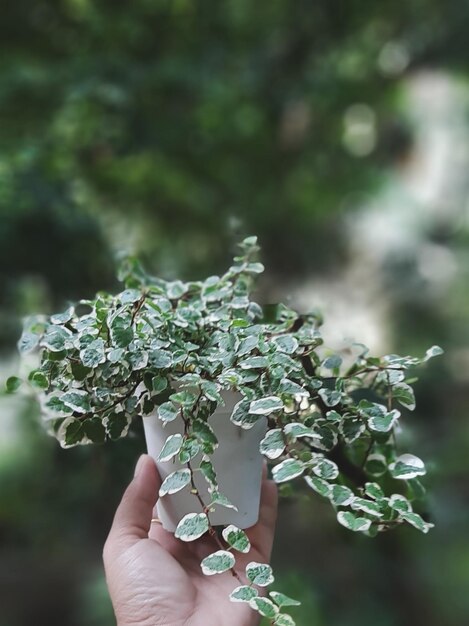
(210, 370)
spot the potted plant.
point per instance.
(221, 382)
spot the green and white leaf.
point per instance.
(28, 342)
(390, 377)
(385, 422)
(38, 379)
(330, 397)
(208, 471)
(297, 430)
(376, 464)
(255, 268)
(433, 352)
(212, 391)
(192, 526)
(254, 362)
(189, 450)
(341, 495)
(334, 417)
(264, 607)
(259, 574)
(72, 432)
(129, 296)
(138, 359)
(63, 318)
(161, 359)
(167, 412)
(78, 400)
(54, 407)
(220, 499)
(247, 345)
(184, 398)
(115, 355)
(400, 503)
(243, 594)
(265, 406)
(122, 332)
(407, 467)
(333, 362)
(287, 470)
(371, 507)
(12, 384)
(373, 490)
(326, 469)
(281, 599)
(378, 417)
(290, 387)
(117, 425)
(236, 538)
(205, 434)
(171, 447)
(286, 343)
(56, 338)
(351, 428)
(242, 417)
(416, 521)
(322, 487)
(176, 289)
(328, 436)
(273, 444)
(94, 354)
(175, 481)
(217, 563)
(353, 522)
(404, 394)
(159, 384)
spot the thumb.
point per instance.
(132, 520)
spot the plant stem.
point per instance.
(205, 508)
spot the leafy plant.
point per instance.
(174, 347)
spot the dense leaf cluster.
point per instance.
(174, 347)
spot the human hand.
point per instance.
(155, 579)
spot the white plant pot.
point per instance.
(237, 462)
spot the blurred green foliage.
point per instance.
(170, 128)
(198, 120)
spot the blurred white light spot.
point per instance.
(436, 263)
(352, 311)
(359, 136)
(393, 58)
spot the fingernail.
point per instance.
(139, 465)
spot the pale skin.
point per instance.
(156, 580)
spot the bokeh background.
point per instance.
(338, 132)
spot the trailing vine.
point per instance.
(173, 348)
